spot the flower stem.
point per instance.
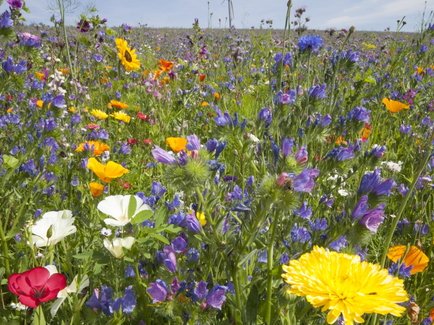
(270, 260)
(5, 249)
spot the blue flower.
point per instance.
(158, 291)
(6, 20)
(373, 183)
(216, 297)
(360, 113)
(312, 43)
(339, 243)
(304, 211)
(318, 91)
(300, 234)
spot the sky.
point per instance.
(367, 15)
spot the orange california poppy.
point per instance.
(96, 189)
(341, 140)
(117, 104)
(107, 172)
(165, 65)
(176, 144)
(412, 257)
(394, 106)
(365, 132)
(96, 148)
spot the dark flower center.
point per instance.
(39, 293)
(127, 56)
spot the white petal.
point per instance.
(52, 269)
(128, 242)
(115, 223)
(112, 206)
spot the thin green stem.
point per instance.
(5, 249)
(270, 262)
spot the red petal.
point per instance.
(37, 277)
(12, 283)
(56, 282)
(22, 286)
(29, 301)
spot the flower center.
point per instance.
(127, 56)
(39, 293)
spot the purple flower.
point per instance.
(285, 98)
(266, 116)
(59, 101)
(361, 207)
(287, 145)
(193, 142)
(310, 43)
(5, 20)
(211, 145)
(30, 40)
(201, 291)
(301, 156)
(15, 4)
(163, 156)
(372, 182)
(191, 223)
(157, 189)
(169, 258)
(318, 91)
(377, 151)
(300, 234)
(304, 212)
(360, 113)
(158, 291)
(372, 219)
(319, 224)
(179, 244)
(305, 181)
(339, 243)
(193, 255)
(216, 297)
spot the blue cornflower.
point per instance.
(360, 113)
(300, 234)
(312, 43)
(318, 91)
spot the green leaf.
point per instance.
(370, 80)
(160, 238)
(141, 216)
(252, 305)
(132, 205)
(10, 161)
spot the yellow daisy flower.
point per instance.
(127, 55)
(100, 115)
(121, 116)
(344, 285)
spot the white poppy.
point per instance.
(116, 206)
(116, 247)
(52, 228)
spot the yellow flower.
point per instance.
(127, 56)
(95, 147)
(97, 113)
(40, 103)
(117, 104)
(369, 46)
(394, 106)
(121, 116)
(72, 109)
(413, 257)
(201, 217)
(108, 172)
(342, 284)
(40, 76)
(176, 144)
(96, 189)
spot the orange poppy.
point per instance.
(413, 257)
(96, 148)
(365, 132)
(107, 172)
(165, 65)
(394, 106)
(96, 189)
(176, 144)
(117, 104)
(340, 140)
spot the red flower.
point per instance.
(36, 286)
(132, 141)
(142, 116)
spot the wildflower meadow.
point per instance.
(199, 176)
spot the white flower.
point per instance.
(18, 306)
(52, 228)
(116, 247)
(343, 192)
(393, 166)
(64, 293)
(116, 206)
(106, 232)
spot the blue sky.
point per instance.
(363, 14)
